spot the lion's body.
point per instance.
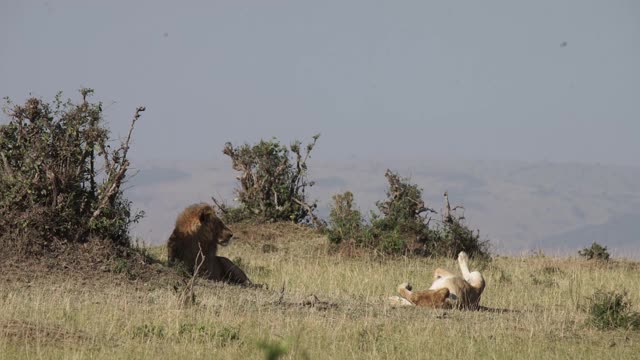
(429, 298)
(462, 292)
(198, 228)
(465, 290)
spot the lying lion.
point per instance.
(447, 291)
(199, 229)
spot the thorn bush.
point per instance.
(595, 252)
(345, 222)
(450, 238)
(59, 178)
(403, 210)
(402, 225)
(273, 182)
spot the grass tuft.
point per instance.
(611, 310)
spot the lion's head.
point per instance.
(214, 226)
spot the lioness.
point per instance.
(447, 291)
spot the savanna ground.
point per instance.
(112, 312)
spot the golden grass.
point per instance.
(537, 301)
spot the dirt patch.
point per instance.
(313, 302)
(26, 331)
(93, 261)
(310, 301)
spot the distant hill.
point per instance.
(620, 234)
(519, 206)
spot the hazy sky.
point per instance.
(491, 80)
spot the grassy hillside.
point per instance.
(332, 307)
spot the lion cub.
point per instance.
(448, 290)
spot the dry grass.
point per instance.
(536, 301)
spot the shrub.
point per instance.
(273, 349)
(147, 331)
(400, 218)
(611, 310)
(392, 242)
(402, 225)
(273, 182)
(596, 251)
(59, 179)
(223, 335)
(345, 222)
(453, 237)
(403, 210)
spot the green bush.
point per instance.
(402, 225)
(611, 310)
(223, 335)
(345, 222)
(59, 179)
(392, 242)
(403, 210)
(273, 349)
(400, 219)
(450, 238)
(596, 252)
(147, 331)
(273, 182)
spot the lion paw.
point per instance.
(463, 256)
(405, 285)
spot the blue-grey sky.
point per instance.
(489, 80)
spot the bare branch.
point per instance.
(187, 296)
(6, 169)
(449, 214)
(309, 208)
(220, 205)
(281, 297)
(122, 164)
(125, 146)
(446, 213)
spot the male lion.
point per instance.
(448, 290)
(198, 227)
